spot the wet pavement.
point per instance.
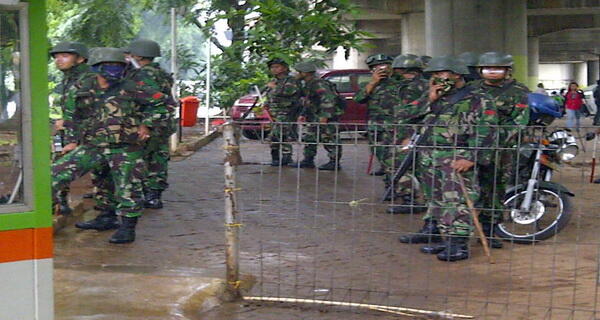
(320, 235)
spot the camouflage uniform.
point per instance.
(58, 98)
(409, 92)
(510, 99)
(381, 104)
(104, 122)
(513, 114)
(465, 130)
(156, 150)
(322, 100)
(284, 106)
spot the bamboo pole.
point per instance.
(475, 216)
(232, 224)
(442, 314)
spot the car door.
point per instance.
(347, 85)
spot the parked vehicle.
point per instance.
(256, 125)
(538, 208)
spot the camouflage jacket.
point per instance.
(284, 99)
(58, 95)
(109, 117)
(153, 76)
(381, 103)
(322, 99)
(469, 126)
(511, 103)
(403, 113)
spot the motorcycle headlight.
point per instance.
(568, 152)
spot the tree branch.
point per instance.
(214, 40)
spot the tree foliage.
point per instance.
(263, 29)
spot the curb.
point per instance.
(187, 148)
(60, 221)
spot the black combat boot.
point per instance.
(434, 247)
(106, 220)
(379, 172)
(64, 209)
(489, 231)
(307, 162)
(392, 195)
(457, 248)
(153, 199)
(275, 158)
(330, 166)
(126, 232)
(428, 233)
(408, 206)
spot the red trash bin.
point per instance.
(189, 111)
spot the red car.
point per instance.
(347, 83)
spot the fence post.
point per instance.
(232, 222)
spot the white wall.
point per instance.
(556, 75)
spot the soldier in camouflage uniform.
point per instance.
(381, 95)
(70, 58)
(510, 98)
(104, 126)
(470, 59)
(283, 100)
(322, 106)
(462, 139)
(157, 153)
(409, 69)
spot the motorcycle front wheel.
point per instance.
(549, 213)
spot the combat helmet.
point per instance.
(470, 59)
(277, 61)
(447, 63)
(105, 54)
(144, 48)
(77, 48)
(306, 66)
(407, 61)
(495, 59)
(379, 58)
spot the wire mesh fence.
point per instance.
(328, 235)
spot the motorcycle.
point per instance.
(537, 208)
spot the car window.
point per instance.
(363, 79)
(342, 82)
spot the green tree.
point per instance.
(263, 29)
(97, 23)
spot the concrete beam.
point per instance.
(373, 14)
(563, 11)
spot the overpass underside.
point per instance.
(535, 32)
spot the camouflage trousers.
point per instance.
(325, 134)
(494, 180)
(377, 141)
(280, 134)
(156, 156)
(124, 165)
(446, 201)
(408, 184)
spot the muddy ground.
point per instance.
(324, 235)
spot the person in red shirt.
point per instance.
(574, 100)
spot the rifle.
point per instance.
(417, 138)
(258, 97)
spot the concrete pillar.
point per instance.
(533, 61)
(580, 73)
(515, 36)
(593, 72)
(439, 33)
(413, 33)
(456, 26)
